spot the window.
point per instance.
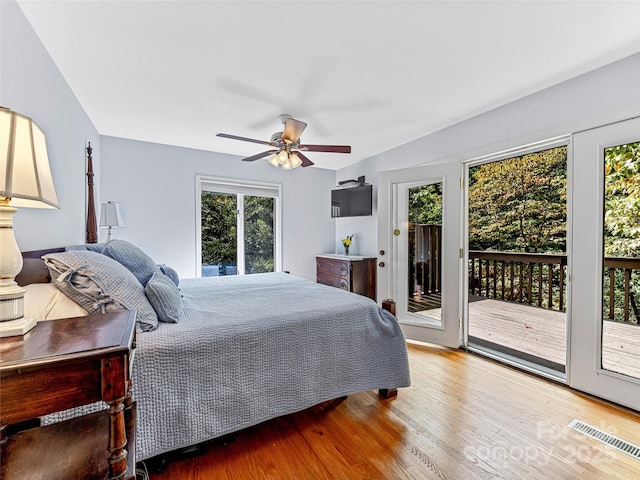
(238, 227)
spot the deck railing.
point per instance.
(540, 279)
(530, 278)
(622, 271)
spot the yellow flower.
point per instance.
(347, 241)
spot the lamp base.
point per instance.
(12, 321)
(14, 328)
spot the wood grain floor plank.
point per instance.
(464, 417)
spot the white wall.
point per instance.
(539, 115)
(31, 84)
(155, 187)
(154, 183)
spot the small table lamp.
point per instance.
(25, 181)
(111, 217)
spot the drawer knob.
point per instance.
(381, 264)
(381, 252)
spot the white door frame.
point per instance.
(586, 373)
(391, 186)
(562, 140)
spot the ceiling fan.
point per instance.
(287, 149)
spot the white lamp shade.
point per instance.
(25, 175)
(283, 157)
(295, 160)
(274, 161)
(111, 215)
(287, 165)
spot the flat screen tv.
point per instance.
(351, 202)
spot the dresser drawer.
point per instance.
(333, 280)
(333, 267)
(357, 275)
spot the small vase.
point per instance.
(346, 249)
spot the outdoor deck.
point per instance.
(541, 333)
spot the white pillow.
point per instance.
(43, 301)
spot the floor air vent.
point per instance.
(604, 437)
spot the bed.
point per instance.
(242, 350)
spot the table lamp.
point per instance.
(111, 217)
(25, 181)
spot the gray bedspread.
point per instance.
(251, 348)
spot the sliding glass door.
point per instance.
(605, 327)
(258, 217)
(517, 258)
(239, 228)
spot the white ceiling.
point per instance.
(373, 75)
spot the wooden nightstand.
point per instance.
(62, 364)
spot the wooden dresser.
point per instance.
(352, 273)
(62, 364)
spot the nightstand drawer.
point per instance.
(332, 267)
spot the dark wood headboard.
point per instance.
(92, 227)
(33, 268)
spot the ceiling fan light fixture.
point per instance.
(295, 160)
(287, 165)
(287, 148)
(274, 160)
(283, 157)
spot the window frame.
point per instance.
(206, 183)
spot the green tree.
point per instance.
(622, 225)
(259, 235)
(219, 231)
(425, 204)
(622, 201)
(219, 228)
(519, 204)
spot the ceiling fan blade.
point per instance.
(292, 130)
(305, 161)
(244, 139)
(326, 148)
(258, 156)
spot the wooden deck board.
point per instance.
(531, 330)
(621, 348)
(540, 332)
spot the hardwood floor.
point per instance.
(464, 417)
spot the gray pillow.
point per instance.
(94, 247)
(165, 298)
(134, 259)
(170, 272)
(99, 284)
